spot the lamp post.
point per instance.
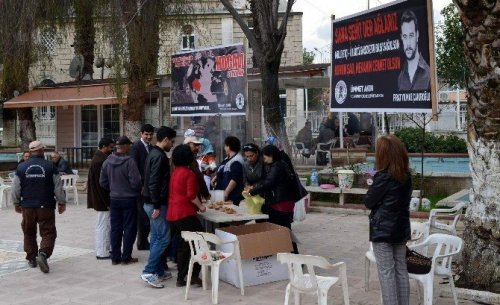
(320, 53)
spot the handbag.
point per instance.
(417, 263)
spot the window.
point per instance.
(187, 37)
(111, 121)
(46, 113)
(48, 42)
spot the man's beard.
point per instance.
(412, 56)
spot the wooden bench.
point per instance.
(341, 192)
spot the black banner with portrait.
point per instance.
(209, 81)
(382, 60)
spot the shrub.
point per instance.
(412, 138)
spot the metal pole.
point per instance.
(221, 141)
(307, 103)
(341, 129)
(458, 110)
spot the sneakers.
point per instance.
(41, 260)
(152, 280)
(166, 276)
(32, 263)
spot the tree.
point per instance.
(85, 34)
(16, 44)
(308, 57)
(267, 40)
(482, 221)
(451, 67)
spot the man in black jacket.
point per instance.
(98, 199)
(139, 152)
(155, 195)
(36, 188)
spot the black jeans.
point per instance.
(192, 224)
(123, 218)
(283, 219)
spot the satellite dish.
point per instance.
(99, 62)
(76, 66)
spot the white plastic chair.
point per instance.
(5, 194)
(201, 254)
(418, 230)
(299, 150)
(436, 214)
(75, 171)
(320, 147)
(310, 283)
(446, 246)
(69, 185)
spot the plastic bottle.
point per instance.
(314, 177)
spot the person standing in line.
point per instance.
(183, 207)
(121, 177)
(230, 172)
(98, 199)
(36, 188)
(139, 152)
(155, 195)
(195, 145)
(388, 198)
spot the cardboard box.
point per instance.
(259, 244)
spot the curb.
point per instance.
(479, 296)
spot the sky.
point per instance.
(317, 17)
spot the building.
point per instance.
(76, 115)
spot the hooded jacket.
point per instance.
(121, 177)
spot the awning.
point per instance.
(75, 95)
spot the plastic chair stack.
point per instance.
(69, 185)
(5, 194)
(310, 283)
(418, 230)
(201, 254)
(446, 246)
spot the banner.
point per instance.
(209, 81)
(382, 60)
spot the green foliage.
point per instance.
(450, 59)
(412, 138)
(308, 57)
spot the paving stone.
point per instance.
(77, 277)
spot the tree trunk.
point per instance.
(27, 128)
(85, 35)
(482, 232)
(270, 102)
(143, 45)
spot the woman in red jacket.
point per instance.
(183, 206)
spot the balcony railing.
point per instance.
(79, 157)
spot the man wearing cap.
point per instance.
(195, 145)
(36, 188)
(98, 199)
(121, 177)
(139, 153)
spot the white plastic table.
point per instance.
(215, 217)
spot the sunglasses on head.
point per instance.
(250, 147)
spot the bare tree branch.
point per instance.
(256, 47)
(284, 23)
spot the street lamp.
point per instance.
(320, 53)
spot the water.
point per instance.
(8, 157)
(432, 165)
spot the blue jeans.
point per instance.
(123, 217)
(159, 239)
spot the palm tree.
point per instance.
(481, 256)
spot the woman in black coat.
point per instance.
(388, 198)
(277, 188)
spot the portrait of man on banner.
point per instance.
(414, 74)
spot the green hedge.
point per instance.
(412, 138)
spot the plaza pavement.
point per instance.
(76, 277)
